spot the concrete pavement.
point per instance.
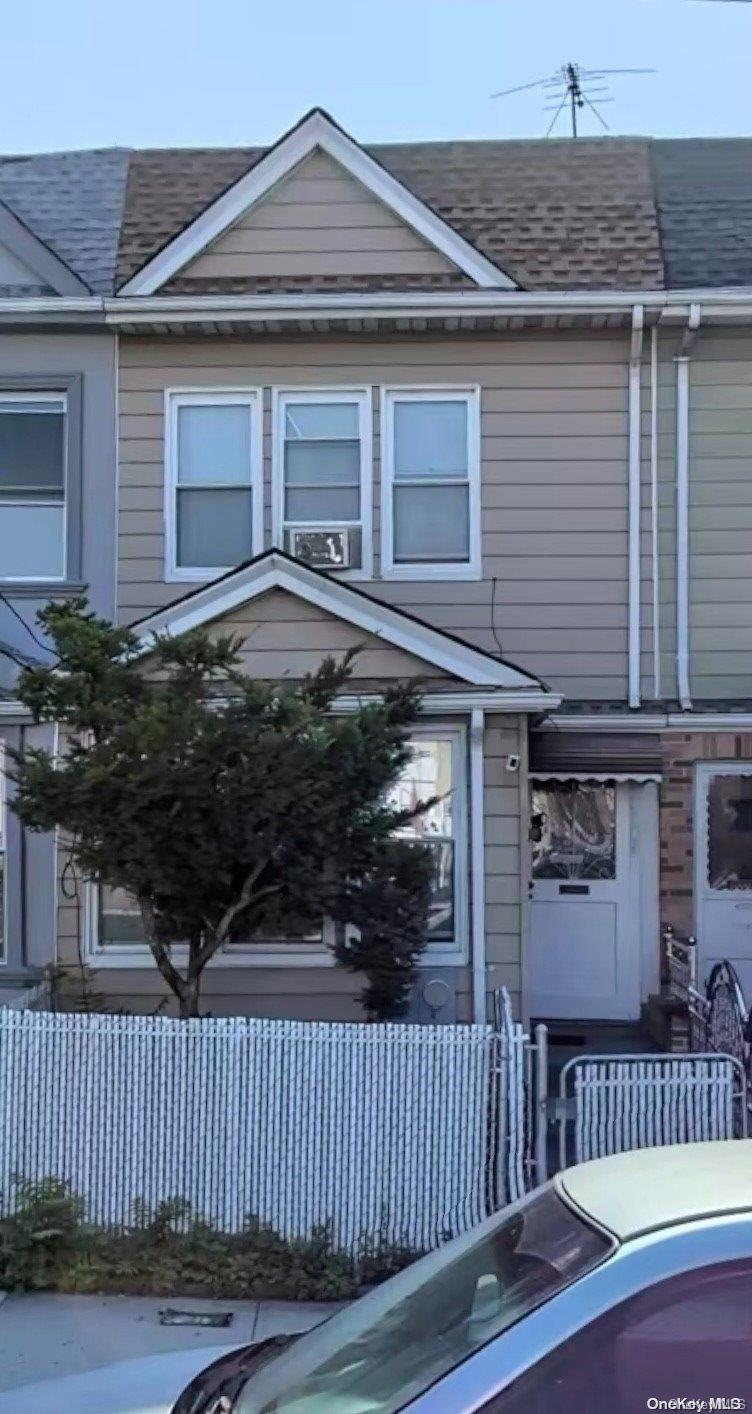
(43, 1336)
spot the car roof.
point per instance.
(647, 1189)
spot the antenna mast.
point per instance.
(575, 88)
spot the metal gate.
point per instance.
(608, 1104)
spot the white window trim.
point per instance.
(439, 569)
(3, 860)
(45, 396)
(174, 399)
(284, 955)
(362, 396)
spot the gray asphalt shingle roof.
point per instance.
(600, 213)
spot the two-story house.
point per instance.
(484, 408)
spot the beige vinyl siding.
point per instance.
(287, 638)
(554, 481)
(720, 516)
(318, 221)
(329, 993)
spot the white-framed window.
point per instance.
(322, 476)
(438, 768)
(213, 481)
(430, 483)
(3, 859)
(33, 477)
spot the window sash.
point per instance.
(446, 562)
(315, 484)
(178, 484)
(41, 497)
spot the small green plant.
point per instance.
(46, 1245)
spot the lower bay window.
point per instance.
(430, 493)
(33, 477)
(213, 482)
(436, 768)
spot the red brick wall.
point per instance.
(680, 752)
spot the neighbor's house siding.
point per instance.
(720, 516)
(554, 481)
(318, 222)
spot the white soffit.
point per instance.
(317, 130)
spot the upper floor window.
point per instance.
(213, 482)
(430, 460)
(322, 477)
(33, 486)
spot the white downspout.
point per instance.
(655, 553)
(682, 509)
(635, 369)
(478, 865)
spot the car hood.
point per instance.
(147, 1386)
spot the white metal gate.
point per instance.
(608, 1104)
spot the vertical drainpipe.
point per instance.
(655, 557)
(635, 369)
(682, 508)
(478, 865)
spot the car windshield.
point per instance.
(396, 1342)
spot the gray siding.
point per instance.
(318, 221)
(720, 516)
(554, 429)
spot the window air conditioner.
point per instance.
(325, 549)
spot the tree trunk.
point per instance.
(189, 999)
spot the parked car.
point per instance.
(623, 1281)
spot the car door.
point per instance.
(683, 1339)
(530, 1358)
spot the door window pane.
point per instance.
(730, 832)
(430, 439)
(573, 830)
(214, 444)
(214, 529)
(431, 523)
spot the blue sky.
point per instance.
(164, 72)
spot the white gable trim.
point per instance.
(315, 131)
(276, 571)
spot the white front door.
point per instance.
(723, 868)
(584, 917)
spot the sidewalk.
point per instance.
(44, 1336)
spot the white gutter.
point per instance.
(682, 509)
(477, 868)
(650, 722)
(491, 700)
(635, 369)
(654, 551)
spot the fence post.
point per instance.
(541, 1103)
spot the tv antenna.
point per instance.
(574, 88)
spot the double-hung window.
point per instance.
(322, 476)
(33, 487)
(3, 865)
(213, 482)
(437, 769)
(430, 459)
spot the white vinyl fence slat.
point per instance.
(393, 1132)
